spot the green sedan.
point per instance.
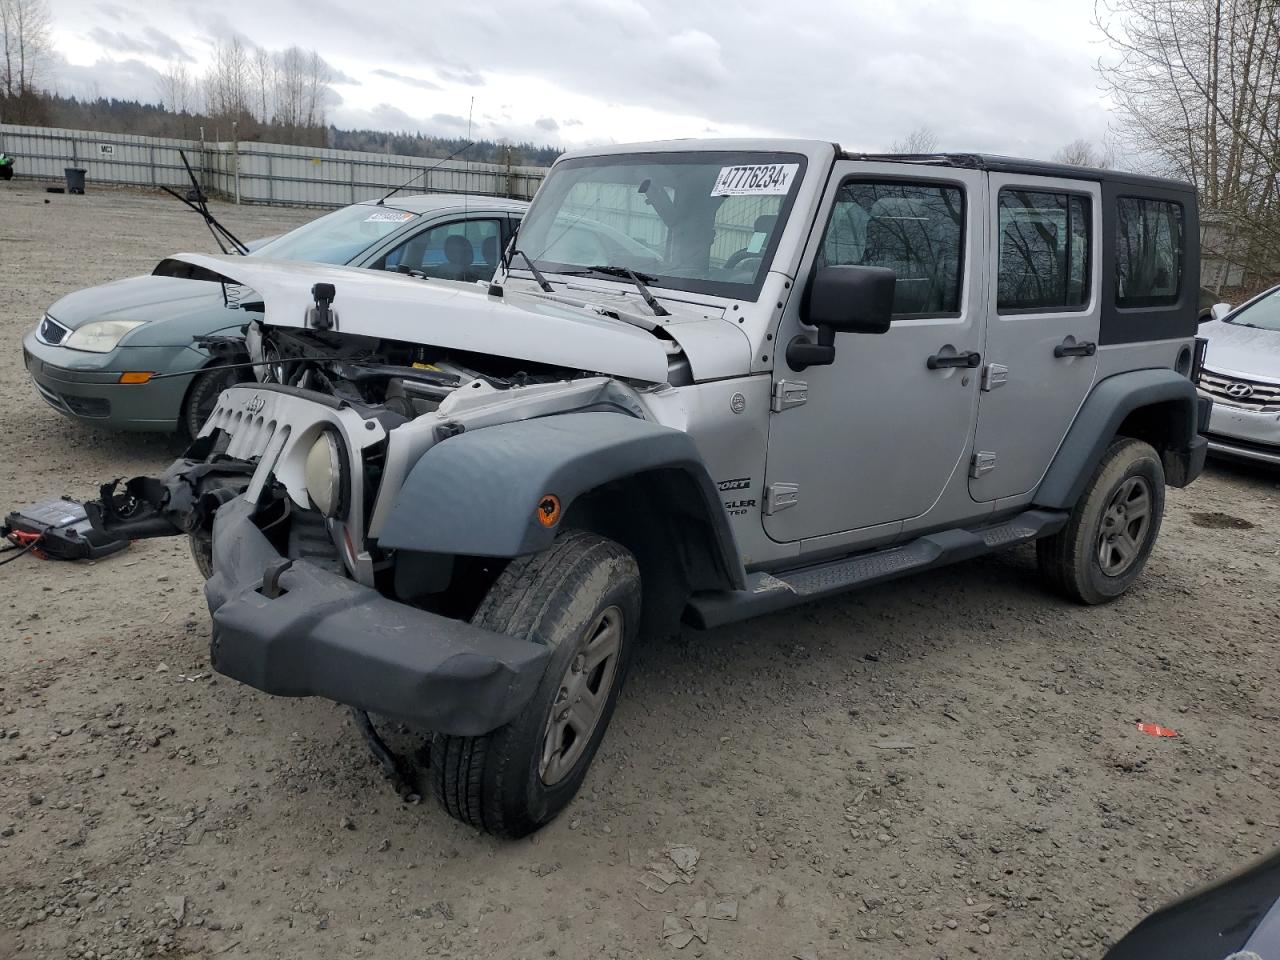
(96, 353)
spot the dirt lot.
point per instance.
(943, 767)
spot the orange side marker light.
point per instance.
(136, 376)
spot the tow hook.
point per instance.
(271, 578)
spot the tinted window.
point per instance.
(913, 229)
(1044, 250)
(1148, 252)
(462, 250)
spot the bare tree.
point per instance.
(24, 30)
(920, 140)
(177, 93)
(1085, 153)
(227, 82)
(1196, 84)
(262, 69)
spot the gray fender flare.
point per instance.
(477, 493)
(1099, 419)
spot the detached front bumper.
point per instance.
(325, 635)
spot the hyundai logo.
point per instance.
(1239, 390)
(256, 404)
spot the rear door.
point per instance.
(1042, 331)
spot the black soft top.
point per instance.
(1038, 168)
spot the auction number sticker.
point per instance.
(757, 179)
(388, 216)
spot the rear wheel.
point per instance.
(1110, 533)
(202, 396)
(582, 599)
(202, 554)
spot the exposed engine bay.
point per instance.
(407, 379)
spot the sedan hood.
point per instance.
(453, 315)
(137, 298)
(1246, 352)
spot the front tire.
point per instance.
(202, 396)
(581, 598)
(1109, 535)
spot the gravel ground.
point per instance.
(942, 767)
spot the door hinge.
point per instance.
(994, 375)
(780, 496)
(788, 394)
(983, 462)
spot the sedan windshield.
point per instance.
(1263, 314)
(337, 238)
(706, 222)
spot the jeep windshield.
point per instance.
(703, 222)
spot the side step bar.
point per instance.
(768, 592)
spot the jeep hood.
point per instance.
(440, 313)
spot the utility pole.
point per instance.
(235, 141)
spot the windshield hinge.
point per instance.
(788, 394)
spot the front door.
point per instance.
(1043, 329)
(882, 431)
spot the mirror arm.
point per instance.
(802, 352)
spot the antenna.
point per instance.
(423, 173)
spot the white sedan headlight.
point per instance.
(324, 472)
(101, 336)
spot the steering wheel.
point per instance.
(736, 260)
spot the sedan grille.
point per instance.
(1239, 392)
(51, 331)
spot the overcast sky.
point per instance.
(1008, 76)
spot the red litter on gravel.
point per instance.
(1155, 730)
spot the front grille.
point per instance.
(51, 331)
(1239, 392)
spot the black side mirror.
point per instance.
(842, 299)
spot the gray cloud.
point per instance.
(449, 120)
(546, 123)
(153, 42)
(406, 79)
(464, 76)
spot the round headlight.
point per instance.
(324, 474)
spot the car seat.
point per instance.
(459, 256)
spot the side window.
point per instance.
(916, 230)
(1044, 251)
(461, 250)
(1148, 252)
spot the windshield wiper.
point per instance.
(537, 274)
(638, 279)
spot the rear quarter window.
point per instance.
(1149, 241)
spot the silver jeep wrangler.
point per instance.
(710, 380)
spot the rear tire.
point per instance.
(581, 598)
(202, 397)
(1109, 535)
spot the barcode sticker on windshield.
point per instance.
(756, 179)
(388, 216)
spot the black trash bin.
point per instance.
(75, 179)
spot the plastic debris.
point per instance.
(1155, 730)
(725, 910)
(684, 857)
(675, 932)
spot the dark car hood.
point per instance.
(137, 298)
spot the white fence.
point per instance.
(268, 172)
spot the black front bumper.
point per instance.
(324, 635)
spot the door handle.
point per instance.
(1085, 348)
(969, 359)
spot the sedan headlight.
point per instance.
(101, 336)
(325, 473)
